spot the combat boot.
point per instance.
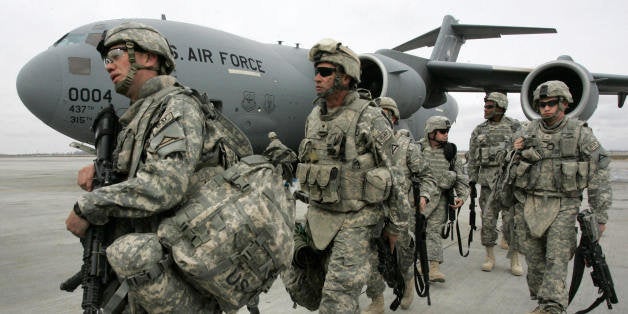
(503, 244)
(408, 295)
(490, 259)
(435, 274)
(515, 266)
(376, 306)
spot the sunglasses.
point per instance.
(324, 71)
(551, 103)
(443, 131)
(489, 106)
(113, 54)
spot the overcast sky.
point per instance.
(594, 33)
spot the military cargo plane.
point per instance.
(269, 87)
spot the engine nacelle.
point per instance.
(581, 85)
(385, 76)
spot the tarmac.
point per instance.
(37, 253)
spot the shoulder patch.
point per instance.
(593, 146)
(395, 147)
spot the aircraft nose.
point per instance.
(39, 85)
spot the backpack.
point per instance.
(235, 235)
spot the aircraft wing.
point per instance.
(467, 77)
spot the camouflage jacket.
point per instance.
(489, 143)
(159, 149)
(562, 162)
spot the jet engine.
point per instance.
(580, 81)
(385, 76)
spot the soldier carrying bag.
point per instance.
(235, 235)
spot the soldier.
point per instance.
(159, 152)
(488, 146)
(409, 159)
(450, 179)
(559, 158)
(347, 169)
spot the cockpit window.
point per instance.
(93, 39)
(70, 39)
(76, 38)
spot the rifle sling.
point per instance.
(460, 238)
(597, 302)
(576, 277)
(421, 282)
(117, 298)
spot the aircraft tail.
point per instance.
(448, 38)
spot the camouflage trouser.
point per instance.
(435, 221)
(490, 215)
(548, 256)
(348, 268)
(153, 283)
(376, 284)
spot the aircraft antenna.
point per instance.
(163, 17)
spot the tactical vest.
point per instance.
(492, 139)
(223, 141)
(338, 175)
(439, 166)
(553, 165)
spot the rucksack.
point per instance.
(235, 235)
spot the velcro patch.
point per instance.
(164, 120)
(382, 135)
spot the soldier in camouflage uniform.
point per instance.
(448, 175)
(559, 158)
(346, 166)
(409, 159)
(159, 153)
(488, 146)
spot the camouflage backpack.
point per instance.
(235, 235)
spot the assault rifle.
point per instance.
(95, 273)
(421, 282)
(589, 253)
(389, 266)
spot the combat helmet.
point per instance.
(330, 50)
(500, 99)
(551, 89)
(388, 103)
(137, 37)
(436, 123)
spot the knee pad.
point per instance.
(133, 253)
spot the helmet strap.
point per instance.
(123, 86)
